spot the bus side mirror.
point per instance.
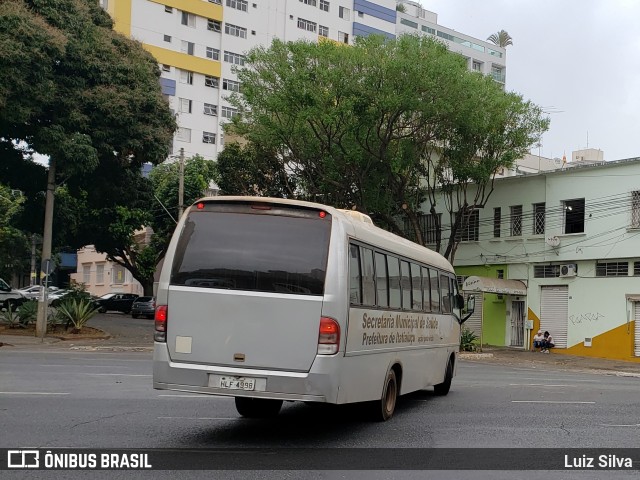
(471, 306)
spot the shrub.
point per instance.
(10, 317)
(76, 311)
(28, 312)
(468, 341)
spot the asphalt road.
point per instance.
(124, 329)
(56, 398)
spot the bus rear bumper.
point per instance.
(317, 385)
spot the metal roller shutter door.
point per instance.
(636, 350)
(474, 323)
(554, 313)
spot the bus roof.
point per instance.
(363, 231)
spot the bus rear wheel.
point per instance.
(384, 409)
(444, 387)
(257, 407)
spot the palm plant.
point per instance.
(28, 312)
(501, 39)
(77, 311)
(10, 317)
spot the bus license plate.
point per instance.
(238, 383)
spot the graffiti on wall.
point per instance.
(589, 317)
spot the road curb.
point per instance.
(474, 356)
(114, 348)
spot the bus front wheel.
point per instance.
(257, 407)
(443, 388)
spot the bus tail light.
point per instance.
(328, 337)
(160, 334)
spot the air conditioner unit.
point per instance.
(569, 270)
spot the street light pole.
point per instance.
(181, 185)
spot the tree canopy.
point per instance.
(89, 98)
(386, 127)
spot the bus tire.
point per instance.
(384, 409)
(444, 387)
(257, 407)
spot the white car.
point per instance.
(10, 296)
(33, 292)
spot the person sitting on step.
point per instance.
(537, 340)
(547, 343)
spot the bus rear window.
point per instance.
(237, 247)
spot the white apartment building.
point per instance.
(483, 57)
(198, 43)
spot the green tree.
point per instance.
(501, 38)
(89, 98)
(14, 244)
(385, 126)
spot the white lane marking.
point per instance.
(631, 425)
(537, 385)
(183, 396)
(114, 375)
(200, 418)
(86, 366)
(559, 379)
(548, 401)
(33, 393)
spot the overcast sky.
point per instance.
(577, 58)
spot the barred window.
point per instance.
(612, 269)
(471, 231)
(234, 58)
(538, 218)
(208, 137)
(546, 271)
(235, 30)
(214, 25)
(213, 53)
(635, 209)
(516, 220)
(324, 5)
(636, 269)
(213, 82)
(306, 25)
(238, 4)
(230, 85)
(428, 228)
(497, 220)
(323, 31)
(313, 3)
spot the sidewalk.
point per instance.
(525, 358)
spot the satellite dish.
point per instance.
(552, 241)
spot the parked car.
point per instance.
(10, 296)
(119, 302)
(33, 292)
(144, 307)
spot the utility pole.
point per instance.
(34, 272)
(41, 321)
(181, 186)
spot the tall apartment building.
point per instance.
(483, 57)
(199, 42)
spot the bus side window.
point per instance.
(446, 294)
(405, 283)
(382, 281)
(435, 291)
(416, 282)
(395, 294)
(355, 287)
(368, 282)
(426, 289)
